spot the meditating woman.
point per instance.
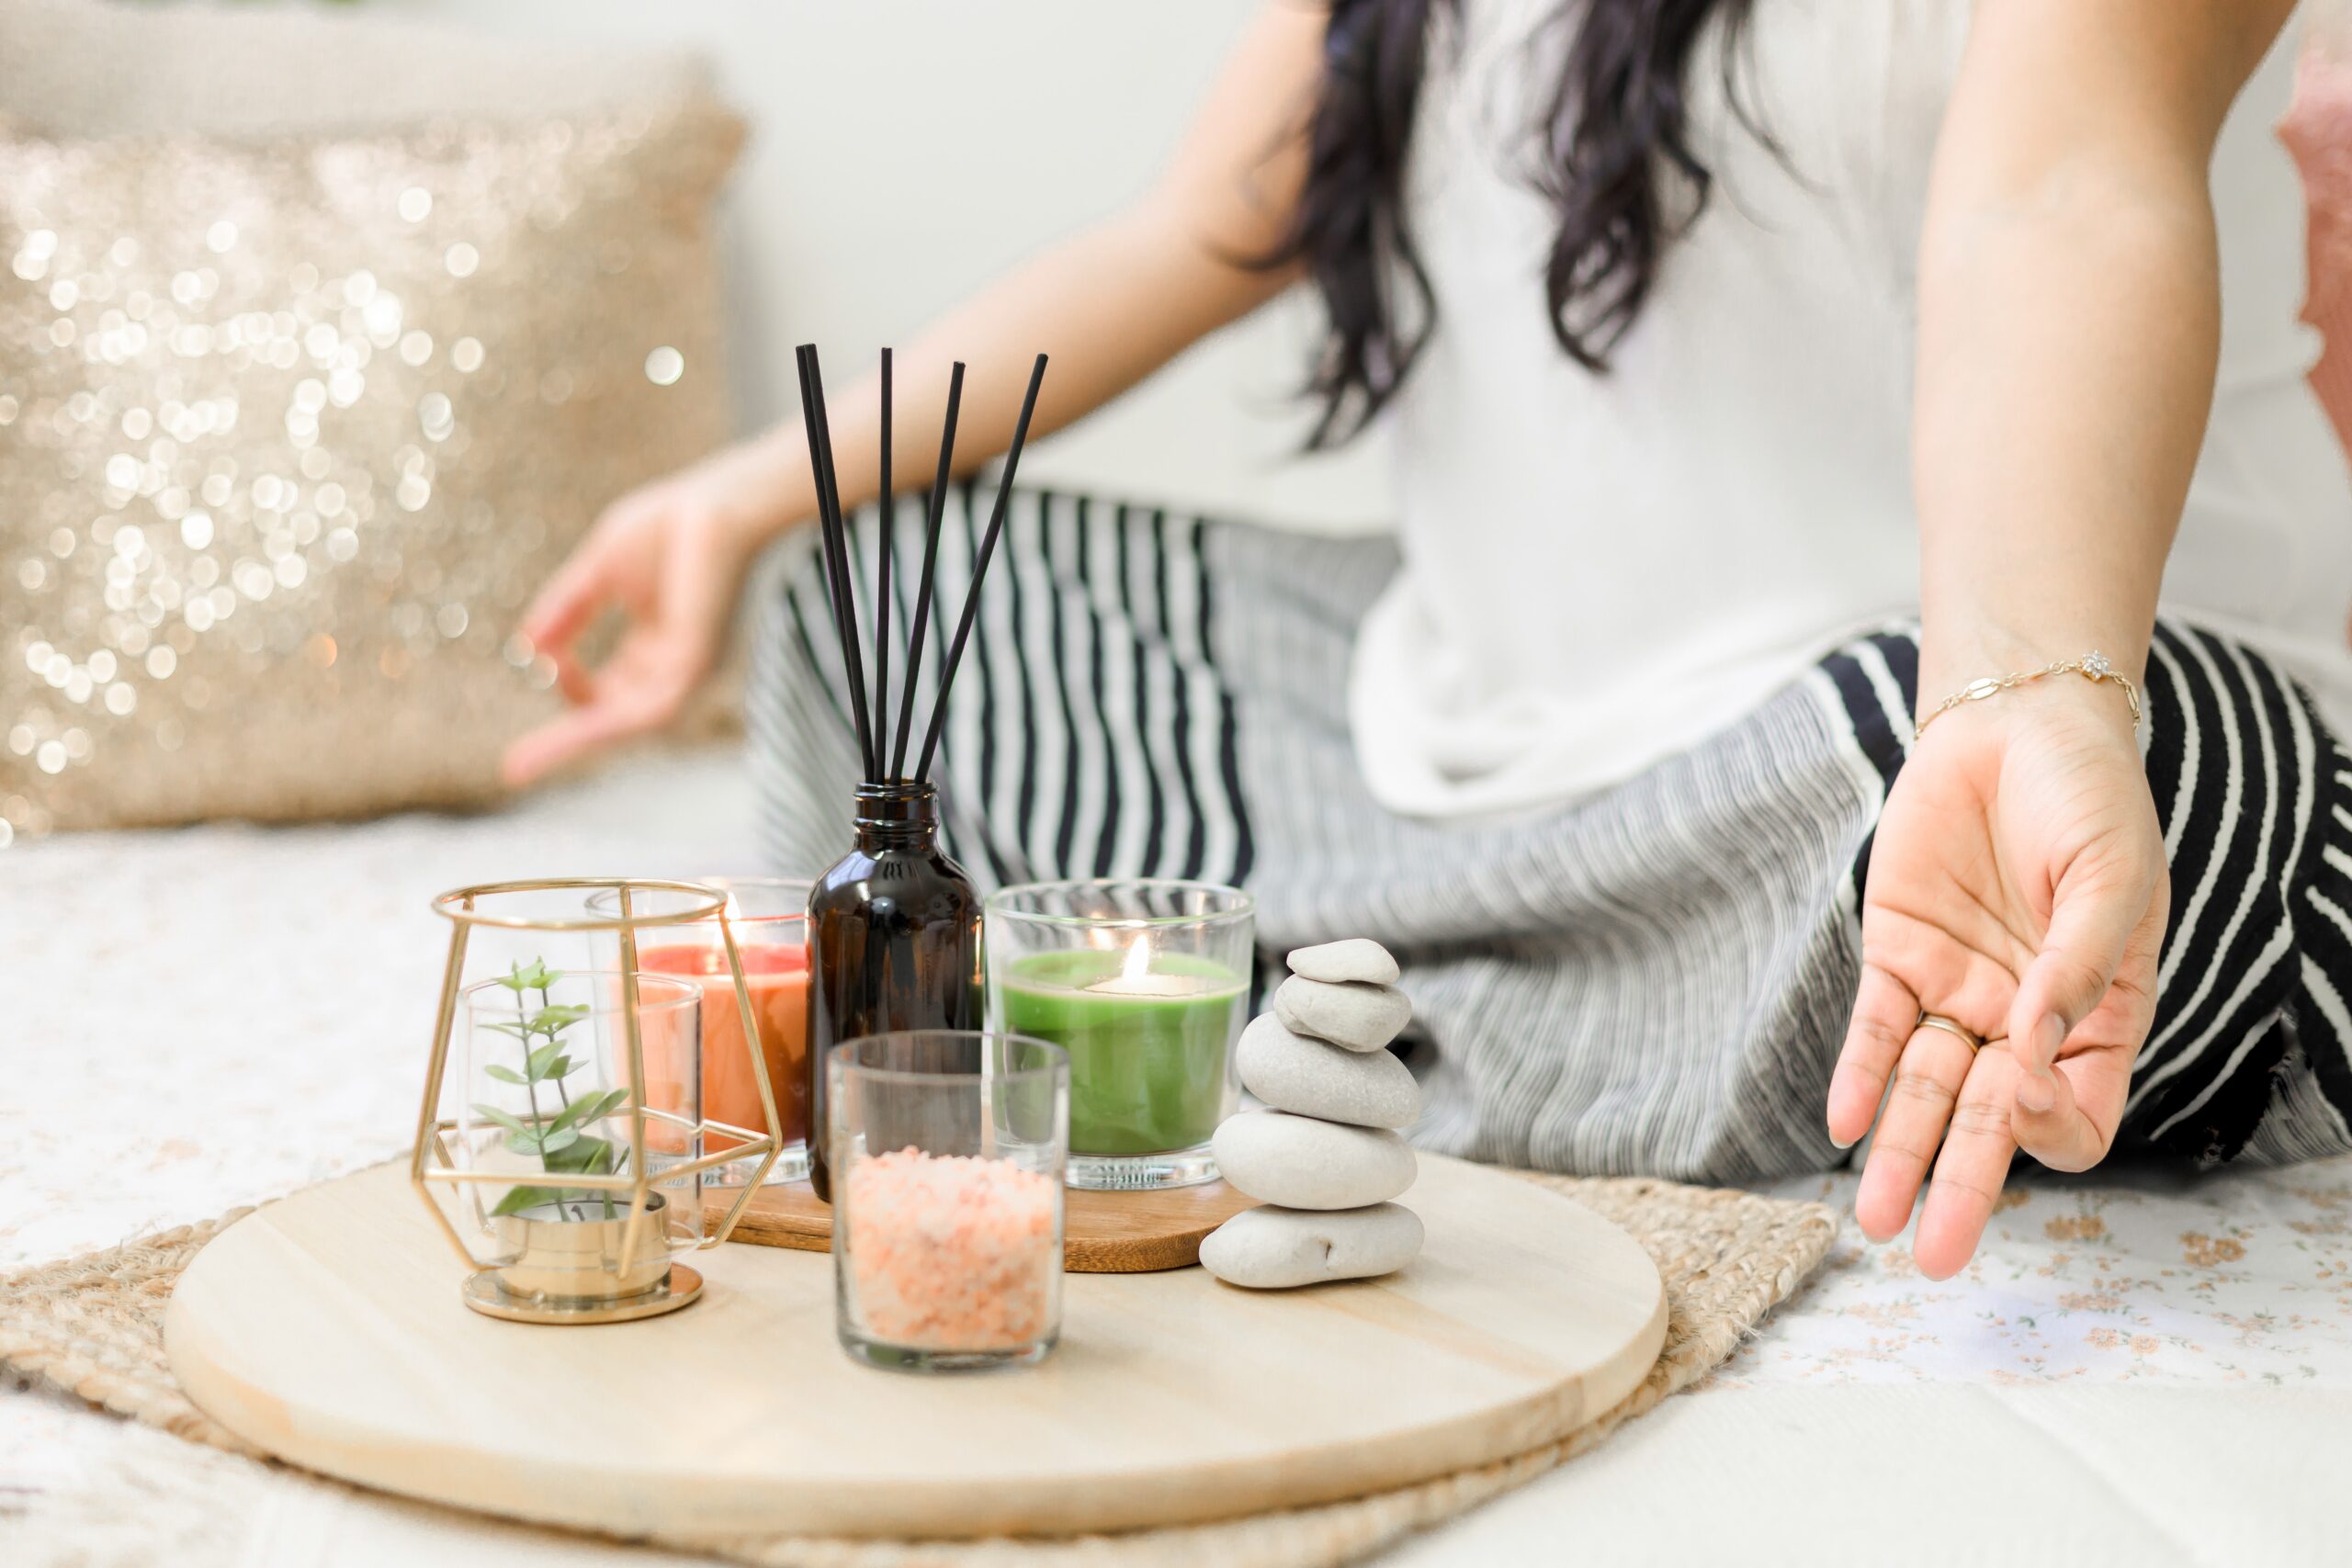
(1767, 379)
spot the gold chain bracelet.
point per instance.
(2093, 666)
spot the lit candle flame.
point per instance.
(1135, 978)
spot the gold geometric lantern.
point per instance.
(571, 1174)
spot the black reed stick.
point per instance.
(930, 559)
(829, 520)
(979, 569)
(848, 567)
(882, 588)
(824, 522)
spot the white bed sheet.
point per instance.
(2143, 1368)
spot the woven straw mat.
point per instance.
(93, 1326)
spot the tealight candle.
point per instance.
(1148, 1006)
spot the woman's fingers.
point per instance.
(566, 605)
(2073, 1132)
(1884, 1014)
(574, 733)
(1974, 1162)
(1925, 1087)
(2092, 917)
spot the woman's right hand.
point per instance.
(672, 556)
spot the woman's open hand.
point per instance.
(2018, 886)
(671, 555)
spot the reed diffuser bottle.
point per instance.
(894, 934)
(894, 927)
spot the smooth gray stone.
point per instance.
(1275, 1250)
(1292, 1072)
(1357, 958)
(1301, 1162)
(1349, 1013)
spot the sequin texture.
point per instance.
(290, 431)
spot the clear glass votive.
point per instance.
(770, 919)
(946, 1148)
(550, 1101)
(1145, 983)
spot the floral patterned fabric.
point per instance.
(2240, 1278)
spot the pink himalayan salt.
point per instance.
(953, 1253)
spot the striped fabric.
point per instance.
(1091, 732)
(1653, 981)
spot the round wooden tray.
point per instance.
(328, 1330)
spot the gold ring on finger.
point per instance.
(1951, 1026)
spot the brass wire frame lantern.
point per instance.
(431, 1162)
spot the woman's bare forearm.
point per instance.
(1109, 306)
(2069, 300)
(2066, 363)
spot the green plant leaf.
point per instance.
(523, 1143)
(589, 1106)
(536, 1064)
(579, 1111)
(505, 1118)
(507, 1026)
(512, 979)
(504, 1075)
(559, 1070)
(556, 1016)
(556, 1139)
(521, 1198)
(538, 977)
(587, 1155)
(518, 1199)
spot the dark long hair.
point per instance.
(1612, 148)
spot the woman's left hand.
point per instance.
(2018, 886)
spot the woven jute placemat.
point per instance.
(93, 1326)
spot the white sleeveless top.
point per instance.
(1601, 572)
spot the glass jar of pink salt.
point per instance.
(948, 1154)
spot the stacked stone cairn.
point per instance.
(1325, 1156)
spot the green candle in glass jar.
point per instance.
(1149, 1036)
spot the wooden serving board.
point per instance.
(327, 1329)
(1102, 1232)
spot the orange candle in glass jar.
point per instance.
(777, 974)
(769, 917)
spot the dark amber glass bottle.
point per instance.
(894, 941)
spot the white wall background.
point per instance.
(904, 152)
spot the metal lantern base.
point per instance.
(485, 1294)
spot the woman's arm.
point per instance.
(1119, 300)
(2069, 316)
(2069, 320)
(1110, 306)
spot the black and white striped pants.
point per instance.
(1654, 981)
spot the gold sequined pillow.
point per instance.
(290, 431)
